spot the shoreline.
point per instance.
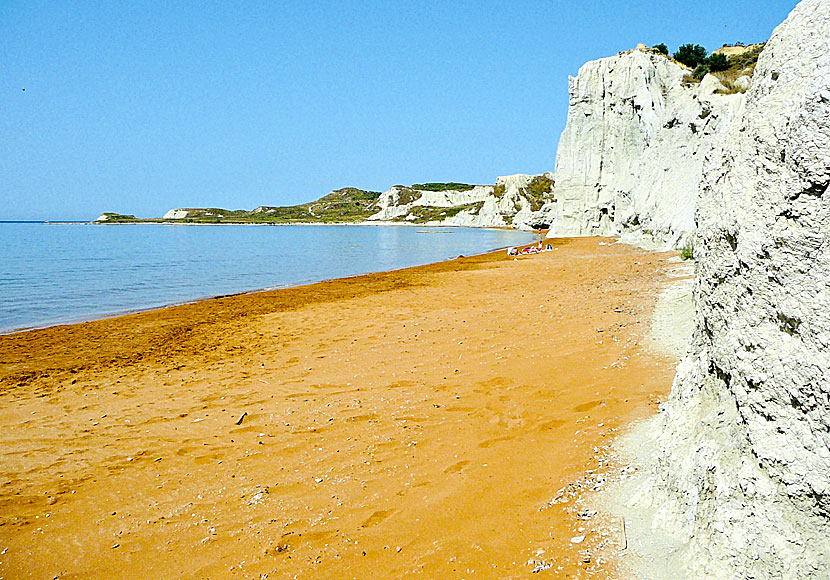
(120, 313)
(368, 223)
(417, 420)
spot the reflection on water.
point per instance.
(61, 273)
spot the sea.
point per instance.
(62, 273)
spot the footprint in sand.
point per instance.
(377, 518)
(491, 442)
(457, 467)
(317, 537)
(586, 406)
(552, 424)
(209, 458)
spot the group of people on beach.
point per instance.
(537, 249)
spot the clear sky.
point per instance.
(139, 107)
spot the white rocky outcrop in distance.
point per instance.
(507, 204)
(736, 480)
(631, 157)
(398, 201)
(175, 214)
(520, 201)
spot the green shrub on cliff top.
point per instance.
(407, 195)
(717, 62)
(747, 59)
(539, 191)
(449, 186)
(691, 55)
(701, 71)
(422, 214)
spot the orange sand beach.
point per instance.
(414, 423)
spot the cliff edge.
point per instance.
(630, 159)
(520, 201)
(736, 468)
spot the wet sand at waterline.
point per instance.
(413, 423)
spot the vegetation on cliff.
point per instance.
(449, 186)
(728, 63)
(539, 191)
(691, 55)
(405, 204)
(115, 217)
(342, 205)
(407, 195)
(423, 214)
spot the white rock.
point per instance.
(709, 85)
(631, 157)
(742, 83)
(175, 214)
(737, 467)
(511, 206)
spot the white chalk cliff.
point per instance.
(521, 201)
(736, 468)
(175, 214)
(630, 159)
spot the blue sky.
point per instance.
(139, 107)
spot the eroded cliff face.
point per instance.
(737, 466)
(520, 201)
(630, 159)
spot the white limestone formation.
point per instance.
(742, 83)
(736, 468)
(398, 201)
(514, 201)
(631, 157)
(176, 214)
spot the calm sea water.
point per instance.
(52, 274)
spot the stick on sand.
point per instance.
(625, 535)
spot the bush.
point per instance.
(539, 191)
(700, 71)
(717, 62)
(688, 252)
(407, 195)
(450, 186)
(747, 59)
(661, 48)
(729, 88)
(691, 55)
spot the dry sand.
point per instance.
(410, 423)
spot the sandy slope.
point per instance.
(413, 423)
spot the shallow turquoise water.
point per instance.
(52, 274)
